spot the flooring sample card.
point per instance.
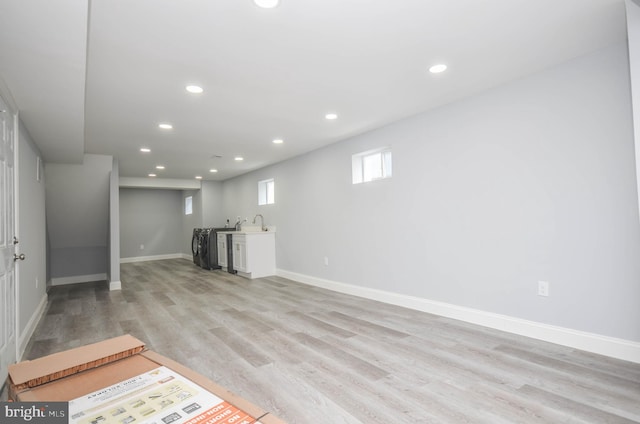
(159, 396)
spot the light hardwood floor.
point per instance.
(314, 356)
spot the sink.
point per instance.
(251, 228)
(257, 229)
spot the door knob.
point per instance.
(20, 257)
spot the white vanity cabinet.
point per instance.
(254, 253)
(221, 242)
(240, 252)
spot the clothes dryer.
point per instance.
(205, 246)
(195, 245)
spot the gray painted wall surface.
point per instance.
(32, 273)
(152, 218)
(77, 198)
(207, 212)
(189, 222)
(211, 203)
(79, 261)
(533, 180)
(633, 31)
(114, 224)
(143, 211)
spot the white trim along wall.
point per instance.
(78, 279)
(154, 258)
(590, 342)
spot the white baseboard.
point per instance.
(115, 285)
(590, 342)
(25, 336)
(155, 258)
(76, 279)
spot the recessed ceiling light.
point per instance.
(145, 150)
(165, 126)
(198, 177)
(238, 158)
(159, 166)
(436, 69)
(267, 4)
(331, 116)
(213, 170)
(152, 175)
(195, 89)
(278, 141)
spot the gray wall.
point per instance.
(77, 213)
(189, 222)
(152, 218)
(155, 218)
(114, 227)
(207, 212)
(633, 31)
(533, 180)
(32, 273)
(211, 204)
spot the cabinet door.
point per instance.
(222, 250)
(240, 255)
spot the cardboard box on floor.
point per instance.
(71, 374)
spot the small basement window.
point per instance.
(371, 165)
(188, 205)
(266, 192)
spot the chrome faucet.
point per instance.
(262, 227)
(239, 224)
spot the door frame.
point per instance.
(11, 105)
(16, 220)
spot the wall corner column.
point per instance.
(114, 228)
(633, 33)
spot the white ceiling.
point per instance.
(98, 76)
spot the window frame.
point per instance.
(266, 192)
(361, 171)
(188, 205)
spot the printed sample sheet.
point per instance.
(160, 396)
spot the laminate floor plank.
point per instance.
(287, 399)
(480, 406)
(243, 347)
(282, 346)
(586, 390)
(579, 410)
(413, 370)
(620, 384)
(350, 362)
(238, 321)
(349, 392)
(602, 363)
(250, 322)
(319, 325)
(313, 355)
(362, 326)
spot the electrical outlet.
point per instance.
(36, 282)
(326, 261)
(543, 288)
(142, 247)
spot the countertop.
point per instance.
(251, 232)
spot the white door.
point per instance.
(7, 246)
